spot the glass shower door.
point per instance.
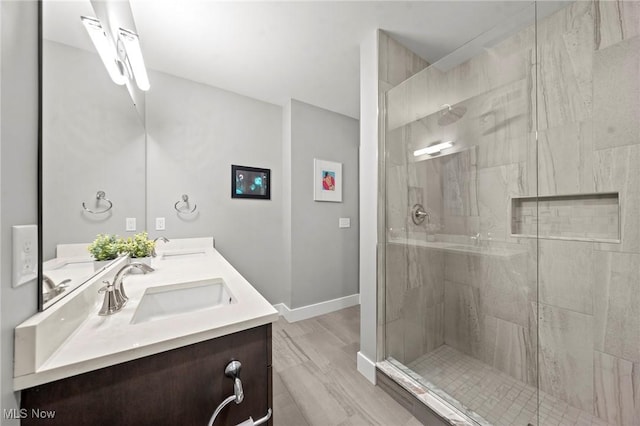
(460, 280)
(511, 285)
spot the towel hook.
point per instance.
(185, 200)
(100, 196)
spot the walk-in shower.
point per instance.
(510, 289)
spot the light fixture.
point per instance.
(134, 57)
(105, 50)
(433, 149)
(123, 61)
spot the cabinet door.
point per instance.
(178, 387)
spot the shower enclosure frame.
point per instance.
(603, 189)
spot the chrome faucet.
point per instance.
(476, 239)
(155, 240)
(48, 282)
(53, 289)
(118, 288)
(113, 302)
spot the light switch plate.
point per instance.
(344, 222)
(160, 224)
(25, 254)
(131, 224)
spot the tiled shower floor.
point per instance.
(496, 396)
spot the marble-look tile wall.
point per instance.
(414, 301)
(586, 217)
(573, 305)
(487, 313)
(396, 63)
(589, 141)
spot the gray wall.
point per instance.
(93, 139)
(194, 133)
(324, 257)
(290, 247)
(18, 168)
(286, 200)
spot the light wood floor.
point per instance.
(315, 381)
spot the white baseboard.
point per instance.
(310, 311)
(366, 367)
(281, 307)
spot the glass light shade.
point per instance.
(134, 56)
(433, 149)
(104, 48)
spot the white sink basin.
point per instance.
(166, 301)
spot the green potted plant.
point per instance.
(104, 249)
(138, 247)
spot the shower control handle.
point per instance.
(418, 214)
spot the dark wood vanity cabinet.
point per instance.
(182, 386)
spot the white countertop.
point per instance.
(102, 341)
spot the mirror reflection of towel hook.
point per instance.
(185, 200)
(100, 196)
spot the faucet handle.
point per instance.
(106, 288)
(113, 302)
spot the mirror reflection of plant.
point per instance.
(137, 246)
(105, 247)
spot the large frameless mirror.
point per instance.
(92, 150)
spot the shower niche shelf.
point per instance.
(578, 217)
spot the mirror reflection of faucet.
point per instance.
(164, 239)
(52, 289)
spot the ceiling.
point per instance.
(275, 51)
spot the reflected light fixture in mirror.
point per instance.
(134, 57)
(101, 42)
(433, 149)
(124, 61)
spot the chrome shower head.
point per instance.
(449, 115)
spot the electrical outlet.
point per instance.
(131, 224)
(344, 222)
(160, 224)
(25, 254)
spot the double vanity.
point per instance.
(161, 358)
